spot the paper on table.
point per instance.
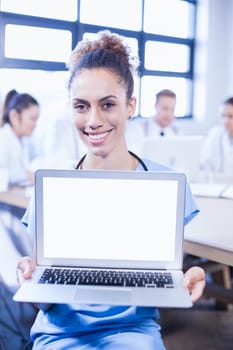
(208, 189)
(228, 192)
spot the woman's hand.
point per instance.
(25, 267)
(31, 177)
(194, 280)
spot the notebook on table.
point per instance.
(108, 237)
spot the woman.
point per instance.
(101, 88)
(19, 119)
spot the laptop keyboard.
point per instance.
(107, 278)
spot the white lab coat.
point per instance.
(217, 152)
(153, 129)
(139, 128)
(59, 146)
(14, 155)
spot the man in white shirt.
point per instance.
(162, 123)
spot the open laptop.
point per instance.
(119, 232)
(181, 153)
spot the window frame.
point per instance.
(31, 21)
(77, 30)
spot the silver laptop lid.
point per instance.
(174, 152)
(118, 219)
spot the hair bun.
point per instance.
(108, 41)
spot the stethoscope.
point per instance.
(130, 152)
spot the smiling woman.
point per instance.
(97, 119)
(101, 87)
(102, 98)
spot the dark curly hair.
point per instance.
(107, 51)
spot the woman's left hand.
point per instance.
(194, 280)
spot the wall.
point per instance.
(213, 63)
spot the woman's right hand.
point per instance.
(25, 268)
(31, 178)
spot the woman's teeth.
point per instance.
(98, 136)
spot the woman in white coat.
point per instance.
(217, 152)
(19, 119)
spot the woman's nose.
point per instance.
(95, 119)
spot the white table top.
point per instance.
(210, 234)
(17, 196)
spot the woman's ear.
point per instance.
(131, 106)
(14, 118)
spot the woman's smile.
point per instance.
(98, 138)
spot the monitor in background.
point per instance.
(181, 153)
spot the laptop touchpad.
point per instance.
(103, 295)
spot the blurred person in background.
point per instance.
(55, 142)
(162, 123)
(20, 113)
(217, 151)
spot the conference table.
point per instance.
(210, 236)
(15, 196)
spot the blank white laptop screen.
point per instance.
(109, 218)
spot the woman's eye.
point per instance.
(80, 107)
(108, 105)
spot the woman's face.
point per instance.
(100, 110)
(25, 122)
(227, 114)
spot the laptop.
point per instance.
(181, 153)
(117, 235)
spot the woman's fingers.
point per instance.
(25, 267)
(194, 280)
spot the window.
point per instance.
(166, 56)
(124, 14)
(43, 8)
(169, 17)
(161, 32)
(35, 43)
